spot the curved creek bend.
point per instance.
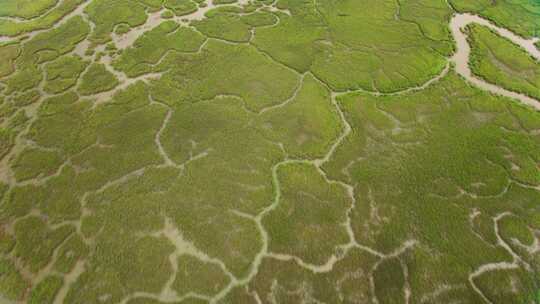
(462, 56)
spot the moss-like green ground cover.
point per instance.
(159, 151)
(10, 27)
(25, 8)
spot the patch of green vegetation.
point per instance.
(520, 16)
(26, 98)
(286, 282)
(25, 8)
(499, 61)
(125, 129)
(231, 24)
(51, 44)
(295, 41)
(215, 132)
(181, 7)
(260, 18)
(483, 225)
(63, 73)
(12, 284)
(97, 79)
(306, 126)
(19, 201)
(152, 301)
(168, 14)
(46, 290)
(60, 198)
(518, 233)
(242, 137)
(203, 123)
(508, 286)
(389, 282)
(18, 121)
(6, 242)
(14, 125)
(107, 14)
(121, 29)
(219, 2)
(104, 143)
(252, 6)
(153, 45)
(61, 124)
(153, 4)
(7, 109)
(8, 53)
(428, 14)
(32, 163)
(224, 23)
(238, 295)
(23, 80)
(351, 46)
(35, 241)
(13, 28)
(73, 250)
(129, 266)
(210, 277)
(309, 219)
(152, 185)
(467, 151)
(140, 205)
(189, 79)
(111, 47)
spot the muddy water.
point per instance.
(462, 56)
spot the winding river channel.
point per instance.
(460, 59)
(462, 56)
